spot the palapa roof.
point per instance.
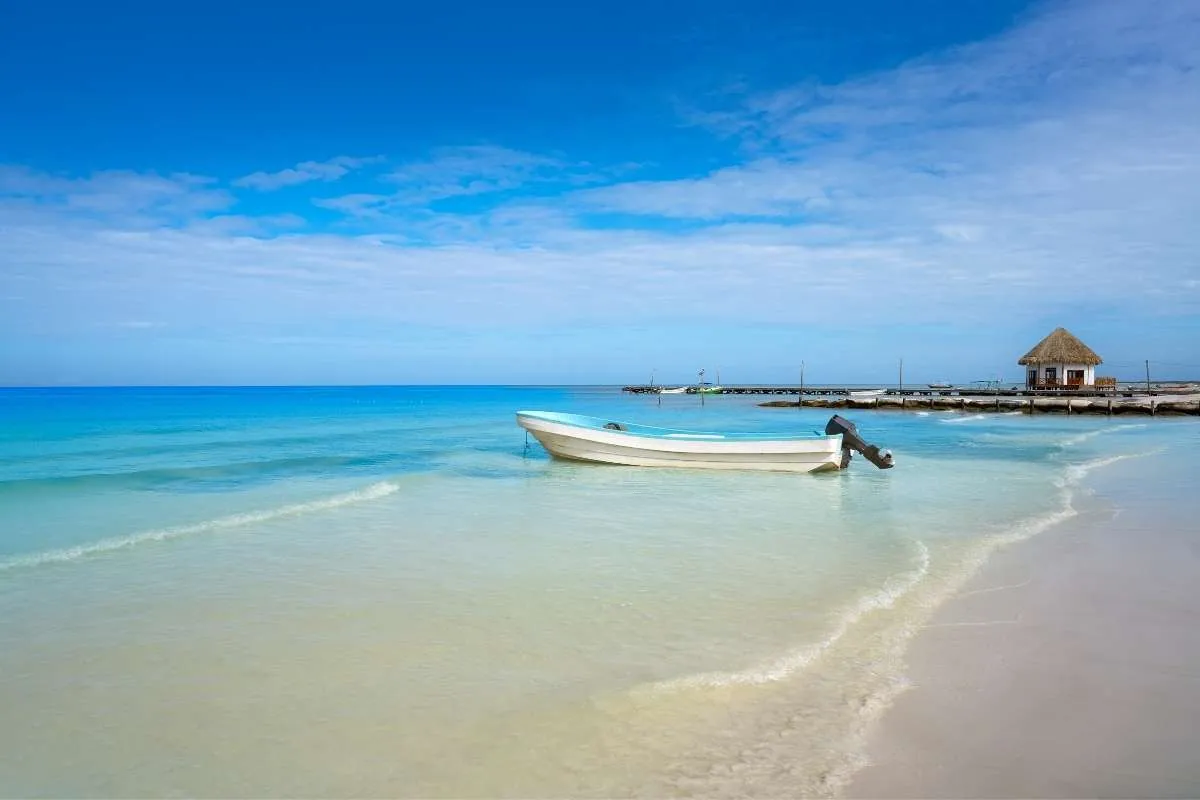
(1060, 347)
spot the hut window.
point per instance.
(1051, 374)
(1074, 377)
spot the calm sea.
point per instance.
(386, 592)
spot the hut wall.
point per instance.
(1060, 373)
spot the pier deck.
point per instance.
(1128, 390)
(1110, 402)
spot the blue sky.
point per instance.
(543, 193)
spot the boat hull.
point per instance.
(691, 451)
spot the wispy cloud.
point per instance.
(1050, 172)
(765, 188)
(305, 172)
(1055, 158)
(465, 171)
(120, 196)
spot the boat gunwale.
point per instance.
(652, 432)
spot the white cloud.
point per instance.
(304, 172)
(118, 196)
(766, 188)
(1057, 160)
(463, 172)
(1050, 172)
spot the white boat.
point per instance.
(676, 390)
(595, 439)
(868, 392)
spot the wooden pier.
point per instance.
(1173, 401)
(1126, 391)
(1110, 406)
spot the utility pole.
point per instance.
(800, 397)
(902, 373)
(1147, 376)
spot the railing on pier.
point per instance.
(1040, 390)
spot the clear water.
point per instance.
(383, 592)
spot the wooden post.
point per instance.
(1110, 406)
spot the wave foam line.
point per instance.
(873, 707)
(372, 492)
(1083, 437)
(790, 663)
(957, 420)
(1077, 472)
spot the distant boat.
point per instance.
(676, 390)
(940, 385)
(595, 439)
(868, 392)
(705, 387)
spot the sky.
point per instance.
(548, 193)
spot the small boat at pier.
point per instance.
(580, 438)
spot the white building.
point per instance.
(1060, 360)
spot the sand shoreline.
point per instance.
(1066, 667)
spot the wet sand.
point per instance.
(1068, 667)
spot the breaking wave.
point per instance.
(971, 418)
(788, 664)
(66, 554)
(1083, 437)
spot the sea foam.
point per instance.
(66, 554)
(972, 418)
(1083, 437)
(788, 664)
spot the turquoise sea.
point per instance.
(386, 592)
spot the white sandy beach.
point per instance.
(1069, 666)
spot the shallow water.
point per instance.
(383, 592)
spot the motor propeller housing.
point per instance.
(852, 441)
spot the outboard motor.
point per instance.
(852, 441)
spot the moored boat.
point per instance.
(595, 439)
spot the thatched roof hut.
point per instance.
(1060, 347)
